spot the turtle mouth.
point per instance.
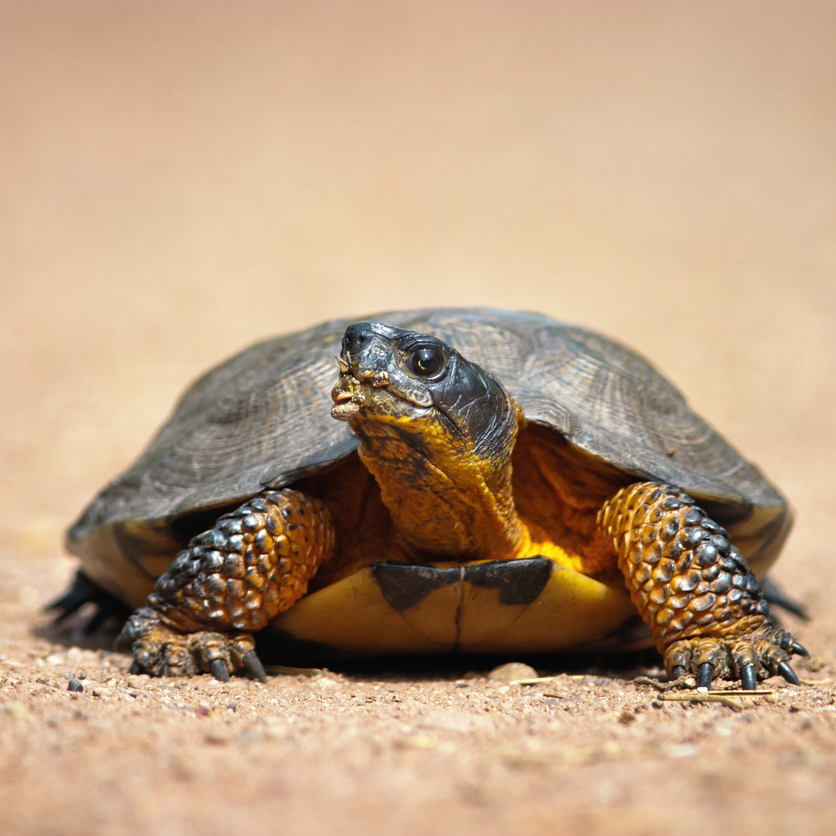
(348, 397)
(352, 390)
(374, 392)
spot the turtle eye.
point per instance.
(425, 362)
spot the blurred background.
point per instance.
(178, 180)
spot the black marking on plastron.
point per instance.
(518, 581)
(404, 587)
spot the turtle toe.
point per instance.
(160, 650)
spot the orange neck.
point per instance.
(446, 501)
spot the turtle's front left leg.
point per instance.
(230, 581)
(693, 588)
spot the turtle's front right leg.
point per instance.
(693, 588)
(230, 581)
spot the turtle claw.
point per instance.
(748, 678)
(704, 675)
(677, 672)
(799, 650)
(252, 664)
(161, 650)
(787, 672)
(756, 652)
(217, 667)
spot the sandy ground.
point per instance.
(179, 180)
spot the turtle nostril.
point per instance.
(357, 337)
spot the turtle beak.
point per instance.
(361, 362)
(366, 354)
(347, 394)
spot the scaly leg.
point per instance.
(693, 588)
(230, 581)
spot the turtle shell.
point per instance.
(262, 420)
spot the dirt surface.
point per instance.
(179, 180)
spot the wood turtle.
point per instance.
(468, 480)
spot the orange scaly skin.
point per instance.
(254, 564)
(445, 500)
(691, 587)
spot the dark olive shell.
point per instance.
(262, 419)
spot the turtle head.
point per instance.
(418, 384)
(436, 431)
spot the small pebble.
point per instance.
(511, 672)
(323, 683)
(75, 685)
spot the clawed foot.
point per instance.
(161, 651)
(755, 654)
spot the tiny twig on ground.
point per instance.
(723, 700)
(722, 697)
(534, 680)
(284, 670)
